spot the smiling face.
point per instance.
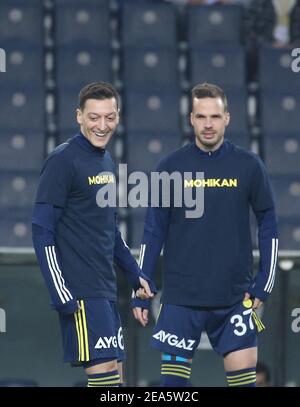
(98, 120)
(209, 120)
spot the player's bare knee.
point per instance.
(102, 367)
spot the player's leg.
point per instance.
(93, 338)
(176, 334)
(233, 334)
(175, 370)
(120, 370)
(101, 373)
(240, 367)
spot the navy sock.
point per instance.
(108, 379)
(242, 378)
(176, 372)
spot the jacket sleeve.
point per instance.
(154, 236)
(262, 202)
(45, 218)
(124, 259)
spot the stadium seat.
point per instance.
(224, 65)
(77, 66)
(209, 24)
(67, 102)
(287, 194)
(18, 189)
(22, 108)
(280, 77)
(81, 23)
(21, 150)
(282, 153)
(280, 112)
(150, 68)
(237, 106)
(144, 150)
(148, 24)
(152, 111)
(21, 21)
(24, 66)
(15, 231)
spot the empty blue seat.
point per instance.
(67, 103)
(289, 233)
(85, 22)
(209, 24)
(280, 77)
(150, 68)
(21, 21)
(224, 65)
(148, 24)
(22, 108)
(24, 66)
(237, 106)
(15, 231)
(79, 65)
(18, 189)
(144, 150)
(287, 194)
(152, 111)
(21, 150)
(282, 153)
(280, 112)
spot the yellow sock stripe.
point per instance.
(168, 366)
(103, 379)
(258, 322)
(85, 332)
(102, 384)
(78, 334)
(186, 376)
(242, 383)
(241, 375)
(175, 371)
(233, 380)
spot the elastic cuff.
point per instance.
(137, 302)
(68, 308)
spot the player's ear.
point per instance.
(79, 116)
(227, 118)
(192, 118)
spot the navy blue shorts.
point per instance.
(93, 332)
(178, 328)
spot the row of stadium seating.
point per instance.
(53, 48)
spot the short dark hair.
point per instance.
(208, 90)
(98, 90)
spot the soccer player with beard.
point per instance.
(208, 281)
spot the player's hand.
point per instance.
(141, 315)
(257, 303)
(144, 293)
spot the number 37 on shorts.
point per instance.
(245, 319)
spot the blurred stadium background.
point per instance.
(153, 52)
